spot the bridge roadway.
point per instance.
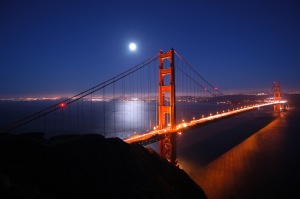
(156, 135)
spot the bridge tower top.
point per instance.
(166, 89)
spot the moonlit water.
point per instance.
(111, 118)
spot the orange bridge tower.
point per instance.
(166, 106)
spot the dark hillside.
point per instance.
(87, 166)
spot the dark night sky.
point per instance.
(64, 47)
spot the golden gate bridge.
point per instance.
(153, 101)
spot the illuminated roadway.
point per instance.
(137, 138)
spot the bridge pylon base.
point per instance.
(168, 148)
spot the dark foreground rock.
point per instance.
(87, 166)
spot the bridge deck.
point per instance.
(156, 135)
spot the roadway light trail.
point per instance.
(182, 126)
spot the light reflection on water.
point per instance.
(110, 118)
(246, 170)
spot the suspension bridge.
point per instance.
(153, 101)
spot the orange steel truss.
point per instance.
(277, 96)
(167, 106)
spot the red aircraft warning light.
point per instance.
(62, 105)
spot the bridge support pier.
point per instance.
(166, 108)
(167, 148)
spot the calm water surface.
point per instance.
(110, 118)
(255, 155)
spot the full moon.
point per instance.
(132, 46)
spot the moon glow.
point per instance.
(132, 46)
